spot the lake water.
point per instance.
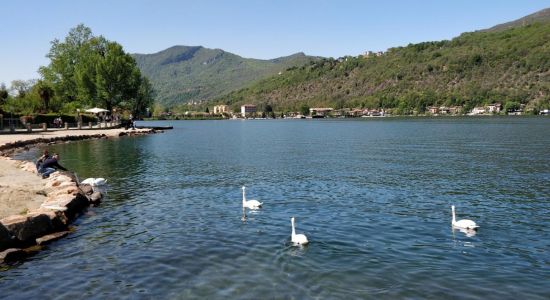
(373, 197)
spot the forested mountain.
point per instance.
(184, 74)
(506, 63)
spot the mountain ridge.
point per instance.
(183, 74)
(508, 65)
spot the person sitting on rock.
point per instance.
(41, 159)
(51, 165)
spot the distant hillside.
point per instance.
(183, 74)
(475, 68)
(541, 16)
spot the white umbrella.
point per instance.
(96, 110)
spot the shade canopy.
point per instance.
(96, 110)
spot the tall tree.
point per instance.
(45, 92)
(3, 93)
(64, 59)
(144, 97)
(118, 78)
(91, 54)
(91, 71)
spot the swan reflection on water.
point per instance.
(243, 218)
(296, 250)
(467, 232)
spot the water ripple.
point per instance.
(373, 197)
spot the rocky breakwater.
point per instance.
(21, 235)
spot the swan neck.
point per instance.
(293, 230)
(244, 198)
(453, 213)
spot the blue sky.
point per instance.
(255, 29)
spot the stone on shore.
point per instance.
(57, 217)
(5, 237)
(76, 206)
(27, 228)
(48, 238)
(12, 254)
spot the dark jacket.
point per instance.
(52, 163)
(41, 160)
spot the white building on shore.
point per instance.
(320, 111)
(220, 109)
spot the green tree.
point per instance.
(90, 53)
(64, 58)
(158, 109)
(118, 78)
(304, 109)
(45, 92)
(511, 106)
(85, 70)
(22, 87)
(144, 98)
(3, 93)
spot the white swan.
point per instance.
(464, 224)
(94, 181)
(297, 239)
(251, 204)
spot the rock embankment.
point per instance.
(34, 211)
(37, 211)
(65, 200)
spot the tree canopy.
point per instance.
(87, 70)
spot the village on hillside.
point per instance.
(251, 111)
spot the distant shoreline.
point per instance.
(354, 118)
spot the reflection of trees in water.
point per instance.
(114, 159)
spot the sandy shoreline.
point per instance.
(21, 189)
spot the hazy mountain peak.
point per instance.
(541, 16)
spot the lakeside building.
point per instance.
(248, 109)
(477, 110)
(342, 112)
(377, 113)
(355, 112)
(494, 108)
(454, 110)
(320, 111)
(220, 109)
(444, 110)
(434, 110)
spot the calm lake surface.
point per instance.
(373, 197)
